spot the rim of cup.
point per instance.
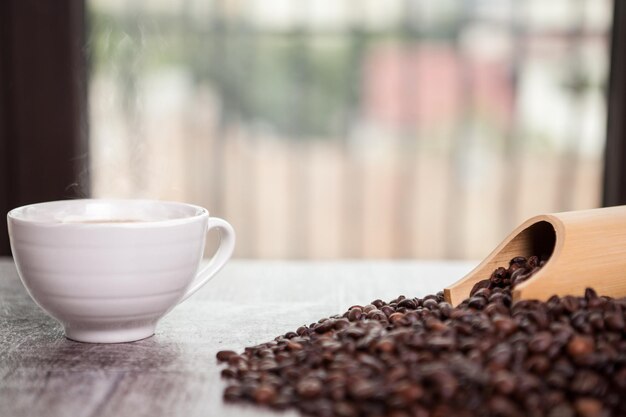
(35, 214)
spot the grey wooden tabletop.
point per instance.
(174, 373)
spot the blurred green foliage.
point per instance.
(300, 84)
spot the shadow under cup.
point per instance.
(108, 270)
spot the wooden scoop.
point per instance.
(587, 249)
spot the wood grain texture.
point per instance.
(587, 249)
(174, 372)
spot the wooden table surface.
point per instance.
(174, 373)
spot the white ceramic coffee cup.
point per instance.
(108, 270)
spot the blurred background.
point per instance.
(351, 128)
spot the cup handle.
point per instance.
(219, 259)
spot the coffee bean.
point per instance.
(504, 325)
(589, 407)
(444, 309)
(435, 324)
(483, 292)
(561, 410)
(341, 324)
(324, 326)
(580, 346)
(362, 389)
(369, 307)
(477, 303)
(396, 317)
(497, 277)
(355, 314)
(387, 310)
(538, 364)
(540, 342)
(378, 303)
(408, 303)
(264, 394)
(614, 320)
(520, 272)
(502, 407)
(225, 355)
(480, 284)
(585, 382)
(504, 382)
(294, 345)
(500, 356)
(309, 388)
(386, 345)
(355, 332)
(228, 373)
(570, 304)
(235, 359)
(233, 393)
(376, 315)
(345, 409)
(422, 357)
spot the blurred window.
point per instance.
(352, 128)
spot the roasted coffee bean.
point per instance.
(477, 302)
(504, 325)
(614, 320)
(519, 260)
(309, 388)
(497, 277)
(485, 283)
(589, 407)
(324, 326)
(569, 303)
(369, 307)
(483, 292)
(540, 342)
(225, 355)
(291, 345)
(580, 346)
(387, 310)
(341, 324)
(355, 314)
(233, 393)
(378, 303)
(538, 364)
(430, 304)
(408, 303)
(533, 262)
(396, 317)
(362, 389)
(264, 394)
(565, 357)
(376, 315)
(561, 410)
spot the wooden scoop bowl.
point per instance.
(587, 249)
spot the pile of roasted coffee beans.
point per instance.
(421, 357)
